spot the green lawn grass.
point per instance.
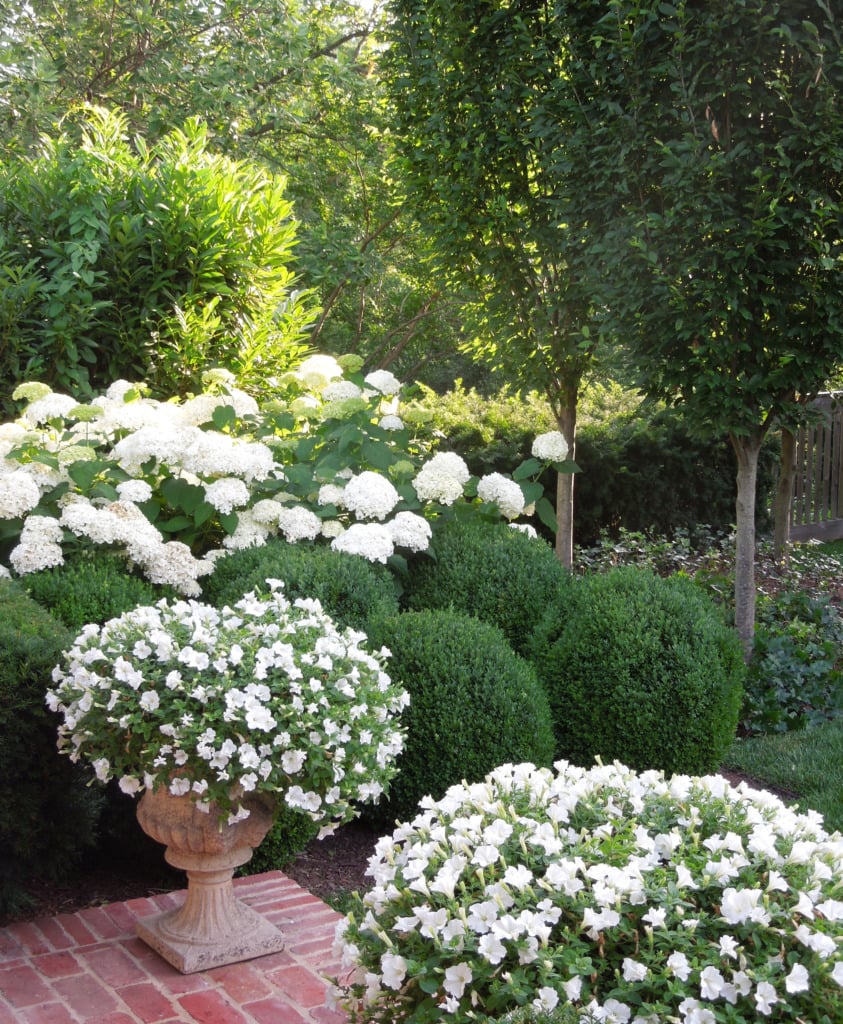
(808, 763)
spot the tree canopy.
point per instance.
(708, 140)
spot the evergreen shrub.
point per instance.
(91, 586)
(490, 571)
(642, 669)
(352, 590)
(291, 831)
(474, 704)
(641, 467)
(47, 814)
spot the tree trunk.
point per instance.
(566, 418)
(784, 497)
(747, 450)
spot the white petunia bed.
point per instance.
(636, 898)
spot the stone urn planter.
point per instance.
(212, 927)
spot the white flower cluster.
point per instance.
(636, 898)
(266, 696)
(442, 478)
(550, 447)
(497, 489)
(209, 491)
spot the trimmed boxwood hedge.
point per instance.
(490, 571)
(48, 814)
(642, 669)
(474, 704)
(352, 590)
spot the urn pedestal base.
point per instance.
(212, 927)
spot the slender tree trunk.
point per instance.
(566, 418)
(747, 450)
(784, 497)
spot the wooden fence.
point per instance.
(817, 508)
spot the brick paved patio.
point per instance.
(89, 968)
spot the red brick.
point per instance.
(10, 948)
(85, 995)
(56, 965)
(242, 983)
(302, 985)
(274, 1011)
(113, 966)
(47, 1013)
(122, 917)
(22, 986)
(147, 1002)
(76, 929)
(56, 936)
(211, 1008)
(113, 1018)
(100, 923)
(7, 1017)
(28, 937)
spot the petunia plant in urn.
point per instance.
(217, 716)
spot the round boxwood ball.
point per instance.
(352, 591)
(474, 704)
(488, 570)
(642, 669)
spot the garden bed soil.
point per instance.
(326, 867)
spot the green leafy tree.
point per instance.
(708, 140)
(118, 260)
(476, 114)
(290, 85)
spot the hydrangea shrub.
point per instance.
(332, 458)
(632, 897)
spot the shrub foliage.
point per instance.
(488, 570)
(474, 704)
(642, 669)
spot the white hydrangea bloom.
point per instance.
(39, 547)
(173, 563)
(299, 523)
(338, 390)
(117, 391)
(409, 530)
(134, 490)
(524, 528)
(316, 371)
(383, 382)
(19, 494)
(450, 463)
(11, 435)
(442, 478)
(332, 528)
(200, 409)
(370, 496)
(52, 406)
(391, 423)
(331, 494)
(371, 540)
(249, 533)
(550, 447)
(266, 511)
(227, 494)
(496, 489)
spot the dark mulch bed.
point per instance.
(325, 867)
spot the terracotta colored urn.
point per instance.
(212, 927)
